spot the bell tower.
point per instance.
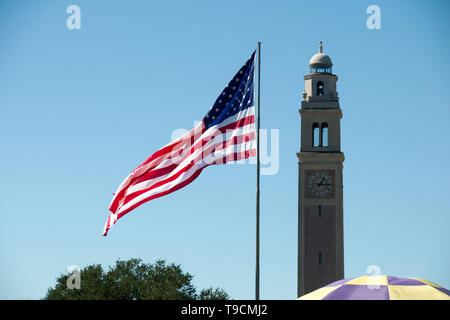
(320, 197)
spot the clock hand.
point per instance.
(320, 183)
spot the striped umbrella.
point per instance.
(379, 288)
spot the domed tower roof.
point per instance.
(320, 62)
(321, 59)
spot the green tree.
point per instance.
(133, 280)
(213, 294)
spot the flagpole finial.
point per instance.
(320, 47)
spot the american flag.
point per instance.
(226, 133)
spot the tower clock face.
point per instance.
(319, 184)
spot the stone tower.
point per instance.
(320, 199)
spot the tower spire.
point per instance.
(320, 47)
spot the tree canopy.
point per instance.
(131, 280)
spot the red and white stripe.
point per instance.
(182, 160)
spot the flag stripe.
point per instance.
(150, 163)
(242, 126)
(237, 124)
(230, 157)
(155, 159)
(198, 161)
(150, 180)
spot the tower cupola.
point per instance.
(320, 62)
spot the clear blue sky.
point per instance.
(79, 109)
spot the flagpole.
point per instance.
(257, 178)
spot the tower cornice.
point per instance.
(319, 112)
(318, 157)
(320, 74)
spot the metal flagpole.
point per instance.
(257, 178)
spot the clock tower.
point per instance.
(320, 199)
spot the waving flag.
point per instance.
(226, 133)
